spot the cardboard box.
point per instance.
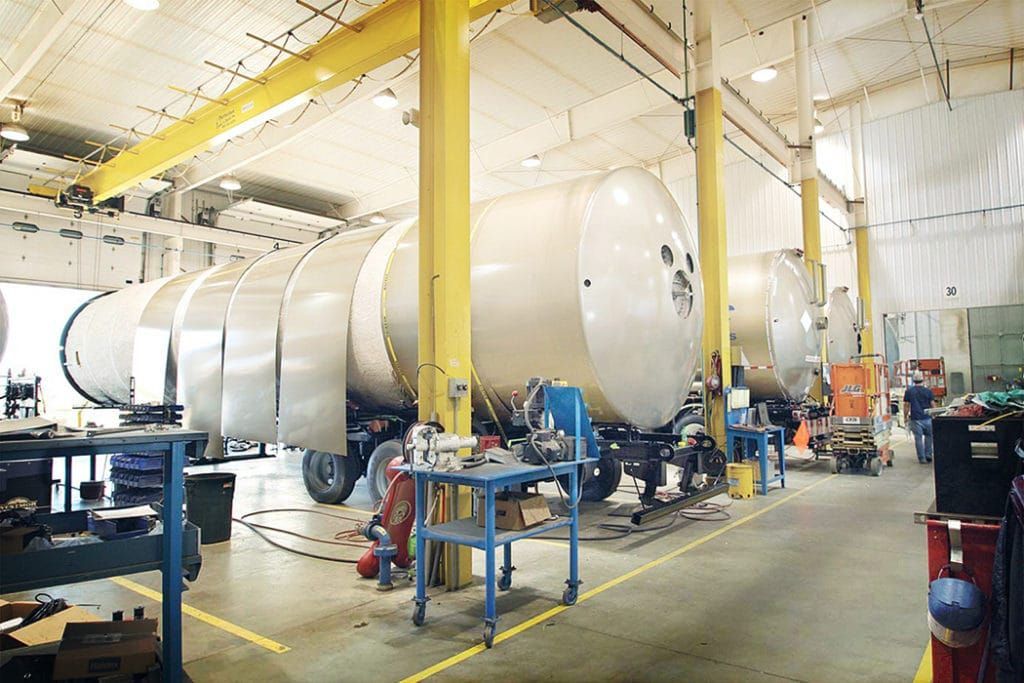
(514, 511)
(106, 648)
(48, 630)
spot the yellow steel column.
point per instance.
(711, 212)
(860, 235)
(444, 325)
(807, 167)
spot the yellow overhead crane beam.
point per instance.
(374, 39)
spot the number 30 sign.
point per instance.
(950, 292)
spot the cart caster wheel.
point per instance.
(489, 635)
(419, 615)
(833, 463)
(569, 596)
(876, 467)
(505, 581)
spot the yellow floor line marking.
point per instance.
(554, 611)
(547, 541)
(216, 622)
(924, 669)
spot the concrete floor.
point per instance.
(822, 581)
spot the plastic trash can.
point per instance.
(208, 501)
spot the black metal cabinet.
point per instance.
(974, 463)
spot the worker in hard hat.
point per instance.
(916, 401)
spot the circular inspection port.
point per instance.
(667, 257)
(586, 283)
(689, 263)
(682, 294)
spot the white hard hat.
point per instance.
(918, 376)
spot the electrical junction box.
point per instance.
(458, 387)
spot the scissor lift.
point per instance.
(861, 423)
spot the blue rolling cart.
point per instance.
(175, 551)
(564, 408)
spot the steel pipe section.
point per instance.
(776, 323)
(594, 281)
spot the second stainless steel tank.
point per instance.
(843, 329)
(777, 322)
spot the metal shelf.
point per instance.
(468, 532)
(59, 566)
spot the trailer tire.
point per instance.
(607, 476)
(377, 467)
(329, 478)
(688, 424)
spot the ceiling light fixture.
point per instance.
(13, 132)
(820, 97)
(530, 162)
(386, 99)
(378, 218)
(764, 75)
(230, 183)
(144, 5)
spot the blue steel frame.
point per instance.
(173, 443)
(491, 478)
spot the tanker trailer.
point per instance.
(777, 321)
(594, 281)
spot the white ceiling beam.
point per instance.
(590, 117)
(44, 28)
(667, 47)
(41, 211)
(830, 22)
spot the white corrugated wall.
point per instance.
(931, 161)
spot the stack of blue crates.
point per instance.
(138, 478)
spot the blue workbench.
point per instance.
(491, 478)
(174, 551)
(758, 439)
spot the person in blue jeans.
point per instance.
(916, 400)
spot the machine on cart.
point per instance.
(861, 422)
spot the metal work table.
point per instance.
(174, 551)
(759, 439)
(491, 478)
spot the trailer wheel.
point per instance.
(329, 478)
(833, 464)
(607, 475)
(377, 467)
(688, 425)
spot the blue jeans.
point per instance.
(922, 430)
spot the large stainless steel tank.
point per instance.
(594, 281)
(776, 319)
(843, 330)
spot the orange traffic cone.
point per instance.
(802, 437)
